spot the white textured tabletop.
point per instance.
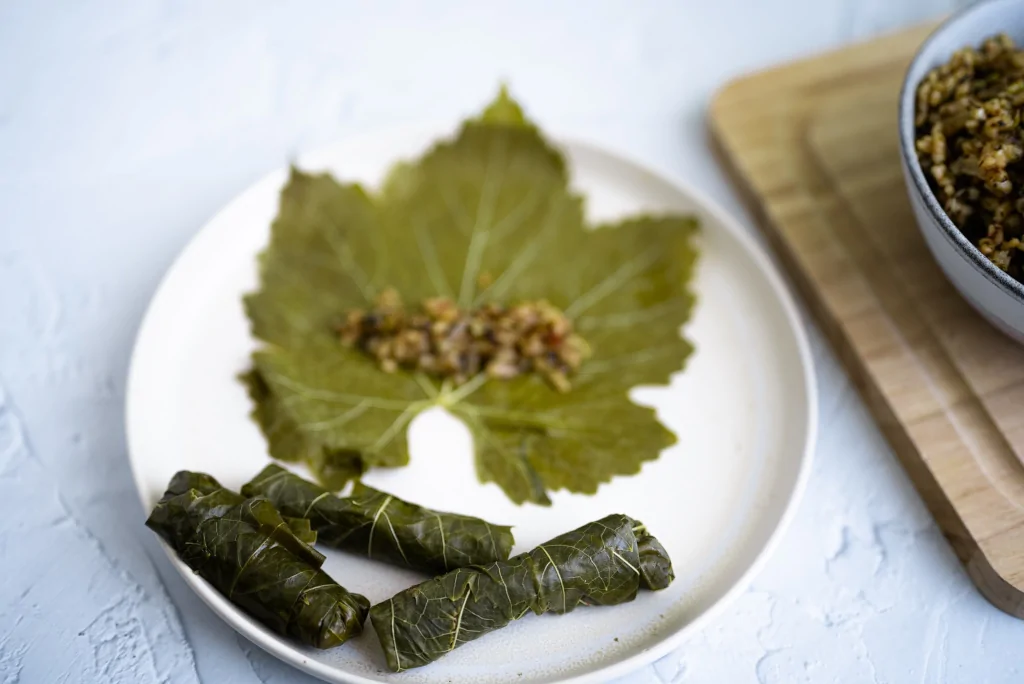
(124, 126)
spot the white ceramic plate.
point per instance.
(744, 410)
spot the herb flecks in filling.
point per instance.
(440, 339)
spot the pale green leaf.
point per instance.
(486, 216)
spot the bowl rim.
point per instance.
(907, 109)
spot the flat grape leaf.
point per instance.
(487, 216)
(332, 467)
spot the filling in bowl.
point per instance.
(969, 143)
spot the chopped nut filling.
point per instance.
(969, 143)
(444, 341)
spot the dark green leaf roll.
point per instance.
(602, 563)
(383, 527)
(248, 552)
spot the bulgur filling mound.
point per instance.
(444, 341)
(969, 143)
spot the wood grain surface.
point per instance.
(814, 145)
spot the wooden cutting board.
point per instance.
(814, 145)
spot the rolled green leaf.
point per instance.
(294, 533)
(246, 551)
(655, 566)
(302, 530)
(602, 563)
(383, 527)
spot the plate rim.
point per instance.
(276, 645)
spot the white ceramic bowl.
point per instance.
(992, 292)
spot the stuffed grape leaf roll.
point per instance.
(294, 534)
(248, 552)
(383, 527)
(602, 563)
